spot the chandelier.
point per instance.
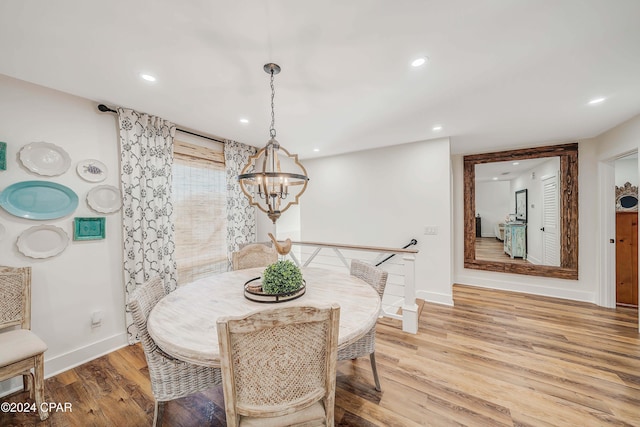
(273, 179)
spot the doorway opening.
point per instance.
(626, 230)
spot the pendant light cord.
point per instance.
(272, 130)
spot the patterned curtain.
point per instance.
(241, 216)
(146, 152)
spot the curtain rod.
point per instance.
(106, 109)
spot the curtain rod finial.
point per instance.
(105, 109)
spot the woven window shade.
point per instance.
(199, 191)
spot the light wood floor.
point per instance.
(494, 359)
(492, 249)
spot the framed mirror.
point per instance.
(524, 221)
(521, 205)
(626, 198)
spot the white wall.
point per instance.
(385, 197)
(626, 170)
(583, 289)
(288, 225)
(620, 140)
(493, 203)
(87, 276)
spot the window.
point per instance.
(199, 194)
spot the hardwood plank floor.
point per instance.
(492, 249)
(494, 359)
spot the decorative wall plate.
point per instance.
(38, 200)
(45, 158)
(3, 156)
(104, 199)
(92, 170)
(42, 241)
(89, 228)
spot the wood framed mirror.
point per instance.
(567, 267)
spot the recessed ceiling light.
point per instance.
(316, 150)
(244, 121)
(495, 178)
(419, 61)
(148, 77)
(436, 128)
(515, 163)
(596, 101)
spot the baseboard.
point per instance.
(539, 289)
(533, 260)
(69, 360)
(77, 357)
(492, 235)
(437, 298)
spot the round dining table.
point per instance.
(183, 323)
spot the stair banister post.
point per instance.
(409, 308)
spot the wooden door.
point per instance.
(627, 258)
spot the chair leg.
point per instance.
(38, 386)
(27, 384)
(158, 412)
(372, 357)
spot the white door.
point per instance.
(550, 221)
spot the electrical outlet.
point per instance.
(96, 319)
(430, 230)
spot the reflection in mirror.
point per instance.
(521, 211)
(626, 197)
(520, 198)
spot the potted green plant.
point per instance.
(281, 277)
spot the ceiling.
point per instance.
(500, 74)
(506, 171)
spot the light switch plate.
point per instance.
(430, 230)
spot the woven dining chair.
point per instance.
(279, 366)
(170, 378)
(21, 351)
(253, 255)
(366, 345)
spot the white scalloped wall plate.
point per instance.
(42, 241)
(45, 158)
(104, 199)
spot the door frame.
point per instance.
(607, 225)
(606, 201)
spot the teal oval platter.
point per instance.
(38, 200)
